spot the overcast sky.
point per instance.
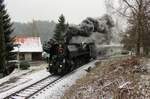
(74, 10)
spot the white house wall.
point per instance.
(28, 56)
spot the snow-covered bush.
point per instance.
(24, 65)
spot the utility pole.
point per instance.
(18, 56)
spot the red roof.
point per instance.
(28, 44)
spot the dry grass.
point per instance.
(114, 78)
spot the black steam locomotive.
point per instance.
(66, 57)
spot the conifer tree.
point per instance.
(6, 41)
(2, 41)
(7, 28)
(60, 29)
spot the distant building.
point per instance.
(29, 48)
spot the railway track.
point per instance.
(34, 88)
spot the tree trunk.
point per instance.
(2, 47)
(138, 49)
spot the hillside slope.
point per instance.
(113, 79)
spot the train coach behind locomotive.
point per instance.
(66, 57)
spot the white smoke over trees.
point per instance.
(116, 9)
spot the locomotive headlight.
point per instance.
(64, 60)
(60, 66)
(50, 64)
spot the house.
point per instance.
(28, 48)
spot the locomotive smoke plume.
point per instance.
(97, 30)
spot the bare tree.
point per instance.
(138, 16)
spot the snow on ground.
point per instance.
(15, 73)
(54, 92)
(148, 65)
(20, 79)
(57, 90)
(29, 79)
(18, 73)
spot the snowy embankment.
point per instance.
(114, 78)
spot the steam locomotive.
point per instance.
(67, 57)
